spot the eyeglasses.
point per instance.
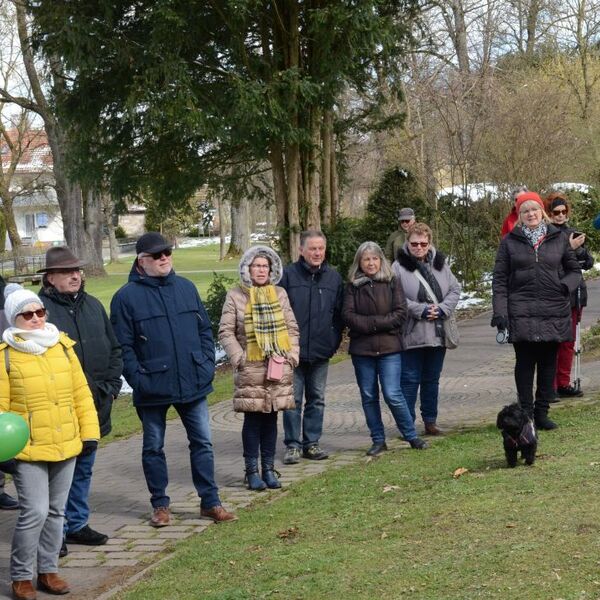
(560, 211)
(28, 315)
(159, 255)
(405, 220)
(417, 244)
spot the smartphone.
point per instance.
(577, 234)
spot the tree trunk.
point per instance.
(326, 136)
(93, 225)
(13, 235)
(68, 194)
(335, 192)
(109, 221)
(313, 212)
(279, 185)
(222, 243)
(240, 234)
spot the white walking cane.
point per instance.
(577, 385)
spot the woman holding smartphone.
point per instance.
(559, 209)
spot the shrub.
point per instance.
(343, 239)
(215, 298)
(120, 233)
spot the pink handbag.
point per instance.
(275, 368)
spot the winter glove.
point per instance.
(89, 446)
(500, 322)
(8, 466)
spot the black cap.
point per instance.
(151, 242)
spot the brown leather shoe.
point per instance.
(433, 429)
(161, 517)
(218, 514)
(52, 584)
(23, 590)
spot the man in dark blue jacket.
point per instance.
(168, 359)
(83, 318)
(315, 291)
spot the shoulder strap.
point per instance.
(426, 286)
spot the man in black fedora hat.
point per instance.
(85, 321)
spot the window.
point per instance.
(41, 219)
(35, 221)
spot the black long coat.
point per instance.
(85, 321)
(532, 286)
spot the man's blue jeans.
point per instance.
(371, 371)
(302, 431)
(194, 416)
(422, 367)
(77, 510)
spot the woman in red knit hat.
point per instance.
(535, 272)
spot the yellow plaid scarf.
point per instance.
(266, 331)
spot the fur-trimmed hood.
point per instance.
(250, 255)
(409, 262)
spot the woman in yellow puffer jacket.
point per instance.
(41, 380)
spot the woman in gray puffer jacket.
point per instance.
(425, 349)
(257, 323)
(535, 272)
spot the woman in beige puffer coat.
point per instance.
(257, 322)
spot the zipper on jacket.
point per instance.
(30, 429)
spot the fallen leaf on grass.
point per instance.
(390, 488)
(384, 535)
(288, 533)
(460, 471)
(511, 525)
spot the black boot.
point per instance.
(543, 422)
(252, 477)
(269, 473)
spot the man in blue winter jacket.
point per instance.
(315, 291)
(168, 359)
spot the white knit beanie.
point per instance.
(16, 298)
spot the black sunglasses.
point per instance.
(417, 244)
(560, 211)
(159, 255)
(28, 315)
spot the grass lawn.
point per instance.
(403, 527)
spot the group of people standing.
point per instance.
(295, 315)
(63, 358)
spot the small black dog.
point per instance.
(518, 432)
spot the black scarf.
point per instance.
(425, 270)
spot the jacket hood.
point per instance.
(409, 262)
(250, 255)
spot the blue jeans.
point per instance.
(259, 434)
(422, 367)
(385, 370)
(77, 511)
(302, 431)
(194, 416)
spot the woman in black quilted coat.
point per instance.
(535, 272)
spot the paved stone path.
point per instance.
(477, 380)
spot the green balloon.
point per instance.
(14, 435)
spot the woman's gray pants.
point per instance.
(43, 488)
